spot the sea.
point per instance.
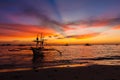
(16, 58)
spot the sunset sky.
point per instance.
(60, 21)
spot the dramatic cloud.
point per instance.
(84, 36)
(13, 30)
(117, 27)
(44, 19)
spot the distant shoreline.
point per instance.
(51, 44)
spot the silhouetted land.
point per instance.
(94, 72)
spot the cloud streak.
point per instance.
(90, 28)
(43, 19)
(12, 30)
(84, 36)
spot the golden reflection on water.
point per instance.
(71, 55)
(77, 54)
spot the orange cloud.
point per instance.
(117, 27)
(67, 27)
(13, 31)
(100, 23)
(84, 36)
(26, 28)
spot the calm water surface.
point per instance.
(77, 55)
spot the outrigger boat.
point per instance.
(39, 49)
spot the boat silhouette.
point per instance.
(39, 49)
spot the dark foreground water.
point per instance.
(18, 57)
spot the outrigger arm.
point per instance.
(52, 49)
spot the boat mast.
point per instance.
(42, 41)
(37, 41)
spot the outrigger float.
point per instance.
(39, 49)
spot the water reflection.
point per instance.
(95, 54)
(37, 60)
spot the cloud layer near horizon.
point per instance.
(78, 30)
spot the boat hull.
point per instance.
(37, 52)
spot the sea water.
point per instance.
(18, 57)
